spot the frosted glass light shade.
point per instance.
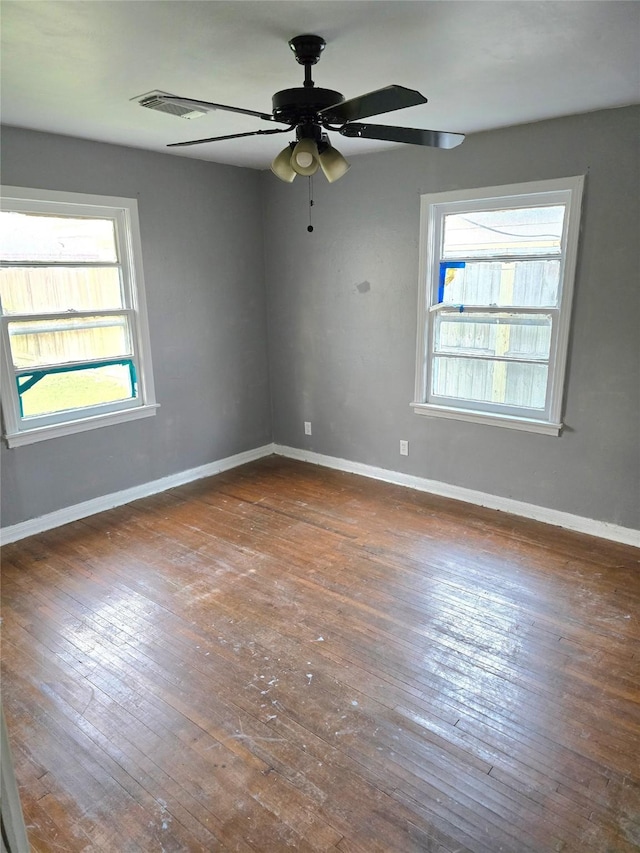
(304, 159)
(281, 166)
(333, 164)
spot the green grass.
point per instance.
(60, 391)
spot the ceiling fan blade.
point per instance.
(208, 105)
(411, 135)
(230, 136)
(372, 104)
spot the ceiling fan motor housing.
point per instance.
(295, 105)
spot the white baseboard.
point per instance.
(602, 529)
(91, 507)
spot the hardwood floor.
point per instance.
(285, 657)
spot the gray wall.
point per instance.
(203, 262)
(342, 318)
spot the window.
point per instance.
(496, 278)
(75, 344)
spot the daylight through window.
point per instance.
(497, 268)
(74, 331)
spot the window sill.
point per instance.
(42, 433)
(476, 417)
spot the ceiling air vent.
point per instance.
(152, 101)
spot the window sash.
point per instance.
(133, 350)
(67, 315)
(532, 250)
(107, 407)
(567, 192)
(123, 214)
(56, 367)
(506, 278)
(434, 352)
(492, 406)
(60, 289)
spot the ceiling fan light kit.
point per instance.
(305, 157)
(281, 166)
(311, 111)
(333, 164)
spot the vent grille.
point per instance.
(152, 101)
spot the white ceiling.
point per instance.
(73, 67)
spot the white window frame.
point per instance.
(19, 430)
(433, 208)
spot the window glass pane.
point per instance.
(78, 389)
(488, 381)
(38, 290)
(518, 231)
(505, 335)
(69, 339)
(526, 283)
(35, 237)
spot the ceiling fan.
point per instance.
(311, 111)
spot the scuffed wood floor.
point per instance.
(289, 658)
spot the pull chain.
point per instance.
(310, 226)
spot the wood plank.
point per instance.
(286, 657)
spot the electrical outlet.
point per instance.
(404, 447)
(307, 427)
